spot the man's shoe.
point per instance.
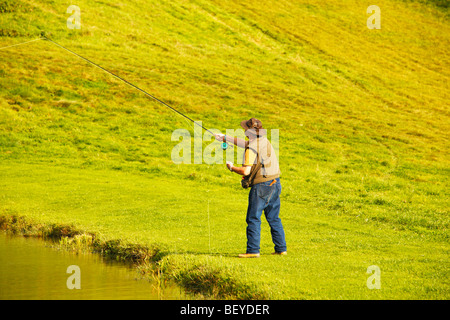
(284, 253)
(249, 255)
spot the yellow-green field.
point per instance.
(363, 119)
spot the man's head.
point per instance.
(253, 128)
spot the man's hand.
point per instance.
(219, 137)
(243, 171)
(230, 165)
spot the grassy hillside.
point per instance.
(363, 117)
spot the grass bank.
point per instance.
(153, 262)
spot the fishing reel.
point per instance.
(225, 144)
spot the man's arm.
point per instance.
(241, 143)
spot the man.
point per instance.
(260, 168)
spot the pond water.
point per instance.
(32, 269)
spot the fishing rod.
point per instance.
(134, 86)
(44, 37)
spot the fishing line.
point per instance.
(209, 229)
(19, 44)
(224, 144)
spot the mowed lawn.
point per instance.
(362, 118)
(329, 252)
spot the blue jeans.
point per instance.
(263, 197)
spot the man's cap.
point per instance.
(254, 126)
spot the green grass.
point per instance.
(362, 114)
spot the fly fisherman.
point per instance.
(261, 172)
